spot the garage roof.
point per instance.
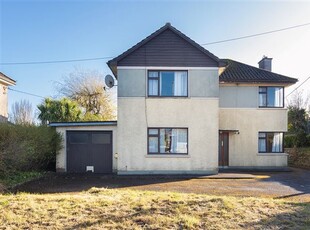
(83, 123)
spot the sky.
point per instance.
(32, 31)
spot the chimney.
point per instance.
(265, 63)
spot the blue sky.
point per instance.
(61, 30)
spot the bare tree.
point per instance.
(22, 113)
(87, 88)
(299, 100)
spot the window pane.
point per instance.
(275, 140)
(173, 140)
(153, 144)
(153, 87)
(179, 140)
(153, 131)
(271, 97)
(78, 138)
(101, 138)
(278, 102)
(262, 100)
(166, 83)
(180, 83)
(262, 135)
(261, 145)
(262, 89)
(153, 74)
(165, 140)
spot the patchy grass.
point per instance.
(15, 178)
(131, 209)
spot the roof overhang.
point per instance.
(6, 80)
(266, 83)
(86, 123)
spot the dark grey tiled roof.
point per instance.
(243, 73)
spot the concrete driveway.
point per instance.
(293, 185)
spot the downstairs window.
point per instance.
(269, 142)
(167, 140)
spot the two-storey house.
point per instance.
(182, 110)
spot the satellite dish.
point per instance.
(109, 81)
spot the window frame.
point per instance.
(266, 93)
(158, 137)
(266, 142)
(158, 89)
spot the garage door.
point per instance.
(89, 151)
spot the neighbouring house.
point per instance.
(182, 110)
(5, 82)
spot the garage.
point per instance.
(89, 151)
(87, 147)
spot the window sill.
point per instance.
(272, 108)
(168, 97)
(167, 156)
(272, 154)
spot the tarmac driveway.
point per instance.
(293, 185)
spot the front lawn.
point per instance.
(131, 209)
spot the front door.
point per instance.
(223, 148)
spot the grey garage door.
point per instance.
(87, 150)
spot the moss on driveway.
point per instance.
(287, 185)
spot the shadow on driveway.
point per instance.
(289, 185)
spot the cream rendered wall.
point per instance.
(61, 158)
(202, 134)
(249, 120)
(136, 114)
(3, 102)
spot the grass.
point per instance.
(15, 178)
(132, 209)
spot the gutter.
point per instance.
(91, 123)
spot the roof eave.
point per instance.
(259, 82)
(113, 67)
(7, 80)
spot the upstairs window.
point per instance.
(167, 83)
(269, 142)
(271, 97)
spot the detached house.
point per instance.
(182, 110)
(5, 82)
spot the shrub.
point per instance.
(27, 148)
(295, 140)
(289, 141)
